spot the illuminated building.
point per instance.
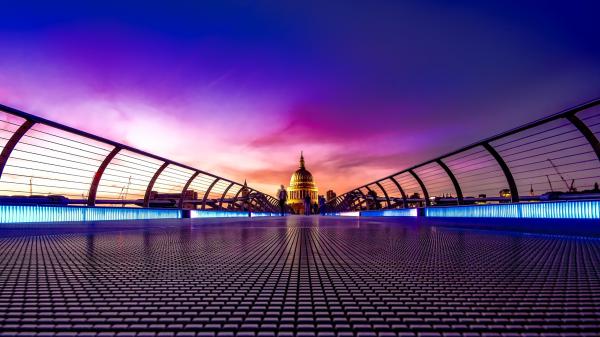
(301, 185)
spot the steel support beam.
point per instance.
(347, 202)
(423, 188)
(404, 202)
(12, 142)
(98, 176)
(514, 192)
(459, 194)
(236, 197)
(587, 133)
(387, 198)
(185, 188)
(364, 197)
(336, 202)
(260, 201)
(353, 200)
(207, 192)
(342, 204)
(253, 205)
(224, 194)
(274, 203)
(151, 183)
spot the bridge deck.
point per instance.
(295, 276)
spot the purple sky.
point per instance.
(239, 88)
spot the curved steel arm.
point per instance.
(357, 199)
(364, 198)
(98, 176)
(207, 192)
(235, 198)
(387, 198)
(151, 183)
(224, 194)
(404, 202)
(423, 188)
(342, 201)
(274, 203)
(261, 201)
(514, 192)
(459, 194)
(185, 188)
(12, 142)
(587, 133)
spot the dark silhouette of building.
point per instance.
(330, 195)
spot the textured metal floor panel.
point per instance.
(297, 276)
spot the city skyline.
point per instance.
(241, 95)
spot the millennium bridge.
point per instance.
(498, 238)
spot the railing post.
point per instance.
(261, 201)
(404, 202)
(12, 142)
(185, 188)
(336, 202)
(98, 176)
(207, 192)
(459, 195)
(224, 194)
(364, 199)
(346, 202)
(151, 183)
(236, 197)
(342, 202)
(587, 133)
(423, 188)
(274, 203)
(387, 198)
(514, 192)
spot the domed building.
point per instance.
(301, 184)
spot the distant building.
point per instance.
(172, 199)
(330, 195)
(301, 185)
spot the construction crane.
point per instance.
(549, 183)
(570, 188)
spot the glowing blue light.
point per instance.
(540, 210)
(32, 213)
(349, 214)
(261, 214)
(217, 214)
(391, 212)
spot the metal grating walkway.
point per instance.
(296, 276)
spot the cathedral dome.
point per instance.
(302, 186)
(302, 176)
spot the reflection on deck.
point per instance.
(294, 276)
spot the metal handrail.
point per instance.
(32, 120)
(346, 200)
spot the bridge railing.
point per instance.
(44, 162)
(554, 158)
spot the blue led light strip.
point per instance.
(539, 210)
(217, 214)
(31, 213)
(391, 212)
(262, 214)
